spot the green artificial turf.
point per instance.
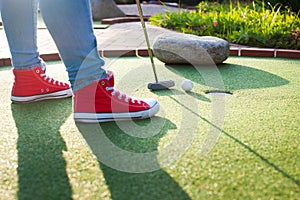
(244, 146)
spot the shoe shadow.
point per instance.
(127, 177)
(41, 165)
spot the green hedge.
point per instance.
(293, 5)
(248, 24)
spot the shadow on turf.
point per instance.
(157, 184)
(275, 167)
(172, 92)
(235, 77)
(41, 165)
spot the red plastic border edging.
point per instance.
(264, 52)
(234, 51)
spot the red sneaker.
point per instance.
(101, 102)
(34, 85)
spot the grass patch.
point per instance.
(45, 155)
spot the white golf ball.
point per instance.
(187, 85)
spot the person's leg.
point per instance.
(70, 24)
(95, 99)
(31, 82)
(20, 22)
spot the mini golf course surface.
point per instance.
(240, 146)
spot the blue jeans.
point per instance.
(70, 25)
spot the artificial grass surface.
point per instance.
(45, 155)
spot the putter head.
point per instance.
(161, 85)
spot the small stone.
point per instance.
(179, 48)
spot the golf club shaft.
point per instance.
(146, 38)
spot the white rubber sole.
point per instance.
(107, 117)
(54, 95)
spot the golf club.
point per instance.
(157, 85)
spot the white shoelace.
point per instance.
(114, 91)
(50, 79)
(47, 77)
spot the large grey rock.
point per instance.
(179, 48)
